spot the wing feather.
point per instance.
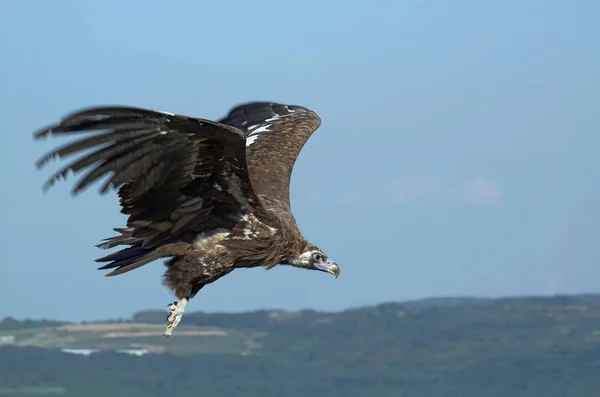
(275, 135)
(176, 176)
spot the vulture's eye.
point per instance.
(317, 257)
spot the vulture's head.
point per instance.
(313, 258)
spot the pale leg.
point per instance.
(177, 309)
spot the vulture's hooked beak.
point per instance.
(329, 267)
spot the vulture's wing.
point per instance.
(175, 174)
(275, 134)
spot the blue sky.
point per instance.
(458, 153)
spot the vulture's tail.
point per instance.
(129, 258)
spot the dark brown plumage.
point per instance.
(210, 196)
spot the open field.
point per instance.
(135, 335)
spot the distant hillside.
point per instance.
(450, 347)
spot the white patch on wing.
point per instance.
(236, 191)
(253, 229)
(280, 116)
(249, 234)
(207, 240)
(163, 112)
(250, 140)
(249, 231)
(262, 128)
(254, 130)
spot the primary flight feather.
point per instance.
(210, 196)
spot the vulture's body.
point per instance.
(207, 196)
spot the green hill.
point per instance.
(448, 347)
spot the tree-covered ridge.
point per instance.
(518, 347)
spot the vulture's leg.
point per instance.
(186, 276)
(177, 309)
(178, 278)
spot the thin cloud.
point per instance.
(415, 186)
(475, 191)
(483, 191)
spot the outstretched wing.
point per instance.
(275, 134)
(177, 176)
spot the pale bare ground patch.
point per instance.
(99, 327)
(148, 333)
(107, 326)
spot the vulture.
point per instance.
(207, 196)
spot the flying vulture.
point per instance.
(208, 196)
